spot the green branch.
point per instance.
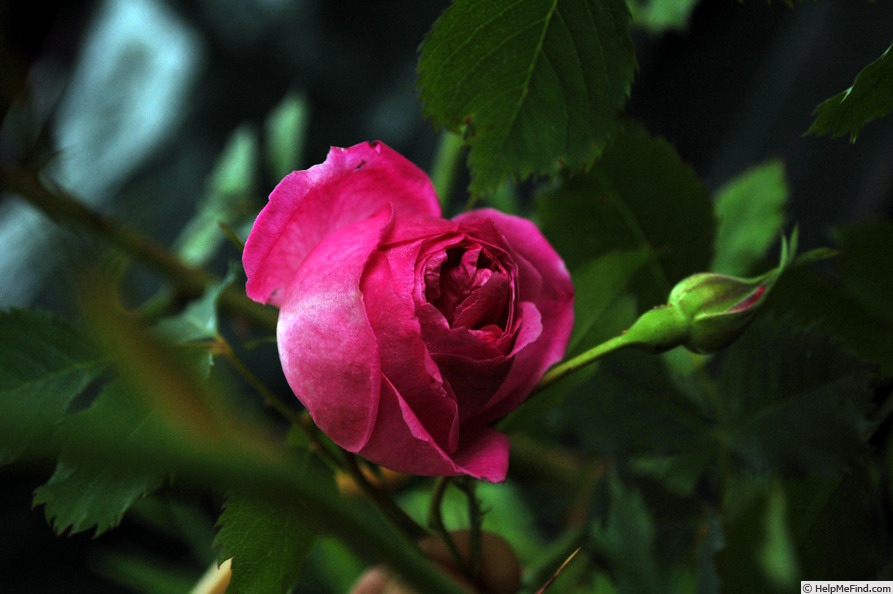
(189, 281)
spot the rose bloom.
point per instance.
(406, 335)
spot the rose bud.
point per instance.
(707, 311)
(406, 335)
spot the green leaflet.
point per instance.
(661, 15)
(230, 188)
(267, 544)
(44, 365)
(640, 195)
(870, 97)
(750, 211)
(285, 129)
(792, 402)
(82, 495)
(626, 537)
(536, 84)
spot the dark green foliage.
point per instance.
(44, 365)
(640, 195)
(870, 97)
(536, 85)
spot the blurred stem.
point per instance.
(582, 360)
(435, 522)
(223, 348)
(446, 166)
(475, 522)
(62, 208)
(383, 501)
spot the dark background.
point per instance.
(734, 89)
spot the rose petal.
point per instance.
(400, 443)
(405, 360)
(352, 184)
(543, 280)
(328, 350)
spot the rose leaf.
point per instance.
(536, 84)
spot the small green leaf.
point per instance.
(598, 285)
(536, 84)
(81, 495)
(777, 556)
(44, 365)
(640, 195)
(750, 210)
(198, 321)
(661, 15)
(285, 129)
(870, 97)
(229, 189)
(266, 543)
(793, 401)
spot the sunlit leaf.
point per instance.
(536, 84)
(505, 513)
(285, 129)
(661, 15)
(229, 189)
(750, 210)
(870, 97)
(44, 365)
(640, 195)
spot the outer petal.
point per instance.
(543, 279)
(401, 443)
(352, 184)
(405, 360)
(327, 347)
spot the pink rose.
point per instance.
(406, 335)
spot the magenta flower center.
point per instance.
(470, 289)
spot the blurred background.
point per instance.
(129, 104)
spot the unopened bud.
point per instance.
(718, 308)
(707, 311)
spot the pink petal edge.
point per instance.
(352, 184)
(327, 347)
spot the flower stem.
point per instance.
(582, 360)
(383, 501)
(435, 522)
(475, 523)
